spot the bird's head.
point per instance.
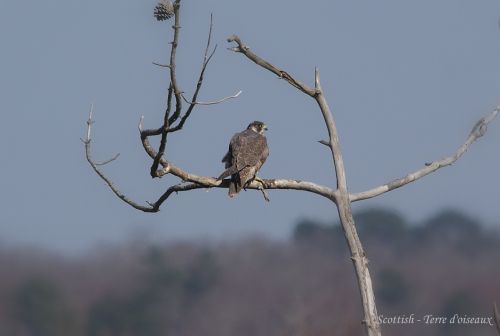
(258, 127)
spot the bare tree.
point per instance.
(174, 120)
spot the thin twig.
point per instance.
(176, 188)
(162, 65)
(212, 102)
(111, 185)
(164, 132)
(478, 131)
(103, 163)
(324, 142)
(206, 59)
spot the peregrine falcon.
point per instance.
(247, 153)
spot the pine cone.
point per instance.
(164, 10)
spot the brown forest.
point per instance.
(444, 266)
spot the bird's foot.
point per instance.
(262, 188)
(261, 181)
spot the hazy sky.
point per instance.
(406, 81)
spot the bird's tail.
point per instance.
(234, 188)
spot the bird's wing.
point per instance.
(228, 161)
(249, 149)
(228, 172)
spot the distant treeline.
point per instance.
(445, 266)
(450, 228)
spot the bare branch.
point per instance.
(164, 131)
(333, 138)
(152, 132)
(162, 65)
(324, 142)
(212, 102)
(294, 185)
(103, 163)
(171, 190)
(478, 131)
(144, 134)
(245, 50)
(209, 40)
(173, 75)
(111, 185)
(256, 185)
(206, 59)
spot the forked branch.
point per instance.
(342, 198)
(88, 154)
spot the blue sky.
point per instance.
(406, 81)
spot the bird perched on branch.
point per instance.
(164, 10)
(247, 153)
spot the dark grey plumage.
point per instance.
(164, 10)
(247, 153)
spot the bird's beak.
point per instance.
(265, 128)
